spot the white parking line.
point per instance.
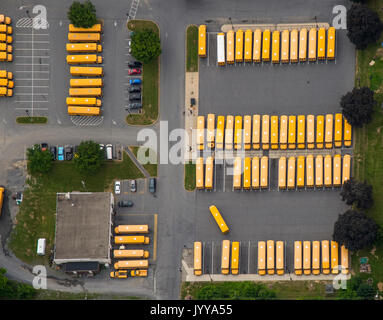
(42, 57)
(32, 64)
(28, 41)
(33, 71)
(26, 108)
(248, 260)
(30, 86)
(27, 79)
(28, 34)
(30, 49)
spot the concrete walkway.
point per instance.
(191, 112)
(136, 162)
(273, 27)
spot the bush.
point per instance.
(39, 161)
(146, 45)
(82, 15)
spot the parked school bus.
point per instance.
(209, 167)
(221, 49)
(247, 174)
(225, 261)
(95, 28)
(319, 171)
(337, 169)
(210, 130)
(310, 131)
(238, 133)
(83, 47)
(306, 257)
(131, 229)
(301, 135)
(344, 259)
(275, 47)
(282, 173)
(313, 44)
(131, 240)
(270, 257)
(292, 132)
(291, 173)
(283, 135)
(294, 46)
(5, 38)
(247, 132)
(90, 58)
(1, 199)
(321, 44)
(6, 74)
(199, 174)
(218, 219)
(230, 47)
(83, 102)
(237, 171)
(6, 47)
(239, 46)
(131, 264)
(285, 46)
(6, 83)
(266, 45)
(301, 172)
(197, 258)
(229, 132)
(85, 92)
(202, 41)
(346, 168)
(220, 132)
(334, 257)
(261, 258)
(280, 257)
(83, 111)
(316, 258)
(125, 254)
(303, 45)
(328, 171)
(325, 257)
(347, 133)
(235, 257)
(264, 172)
(331, 43)
(84, 37)
(86, 83)
(338, 130)
(255, 173)
(274, 132)
(257, 41)
(5, 92)
(310, 171)
(320, 132)
(329, 131)
(298, 258)
(256, 131)
(5, 19)
(87, 71)
(248, 45)
(4, 56)
(265, 132)
(5, 29)
(200, 132)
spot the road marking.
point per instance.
(30, 108)
(28, 41)
(41, 57)
(248, 260)
(212, 257)
(155, 238)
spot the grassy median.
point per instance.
(151, 168)
(192, 49)
(32, 120)
(190, 176)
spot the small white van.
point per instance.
(41, 243)
(109, 154)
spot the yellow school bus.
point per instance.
(334, 257)
(83, 102)
(337, 169)
(338, 130)
(310, 132)
(248, 45)
(210, 130)
(329, 131)
(292, 132)
(225, 261)
(301, 135)
(270, 257)
(235, 257)
(202, 41)
(280, 257)
(199, 174)
(294, 46)
(239, 46)
(347, 133)
(209, 168)
(86, 83)
(282, 173)
(6, 38)
(325, 257)
(291, 173)
(346, 168)
(229, 133)
(265, 132)
(283, 135)
(230, 47)
(5, 29)
(238, 133)
(306, 257)
(266, 45)
(331, 43)
(303, 45)
(83, 111)
(298, 258)
(95, 28)
(83, 47)
(320, 132)
(301, 172)
(310, 171)
(257, 45)
(275, 47)
(131, 229)
(264, 172)
(84, 37)
(313, 44)
(316, 258)
(255, 173)
(126, 254)
(319, 171)
(261, 258)
(328, 171)
(1, 199)
(274, 132)
(6, 83)
(200, 132)
(256, 131)
(5, 19)
(6, 47)
(285, 46)
(220, 132)
(131, 264)
(4, 56)
(87, 71)
(131, 240)
(6, 74)
(197, 258)
(247, 132)
(321, 44)
(81, 59)
(85, 92)
(218, 219)
(5, 92)
(237, 171)
(344, 259)
(247, 174)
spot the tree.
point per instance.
(358, 106)
(355, 230)
(357, 193)
(363, 25)
(14, 290)
(39, 161)
(89, 157)
(82, 15)
(359, 1)
(365, 291)
(146, 45)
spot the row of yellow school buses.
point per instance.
(85, 93)
(6, 83)
(284, 132)
(5, 38)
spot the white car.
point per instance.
(117, 187)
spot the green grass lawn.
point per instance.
(31, 120)
(151, 168)
(190, 176)
(192, 49)
(36, 217)
(150, 82)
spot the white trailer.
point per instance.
(221, 49)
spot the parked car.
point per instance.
(135, 81)
(133, 186)
(68, 153)
(44, 146)
(117, 187)
(134, 71)
(53, 151)
(60, 154)
(125, 203)
(132, 89)
(135, 105)
(134, 96)
(152, 185)
(109, 152)
(134, 64)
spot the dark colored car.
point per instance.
(125, 203)
(44, 146)
(152, 185)
(134, 105)
(68, 153)
(134, 71)
(134, 96)
(53, 150)
(134, 64)
(133, 89)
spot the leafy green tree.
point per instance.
(39, 161)
(146, 45)
(14, 290)
(358, 193)
(82, 15)
(89, 157)
(365, 291)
